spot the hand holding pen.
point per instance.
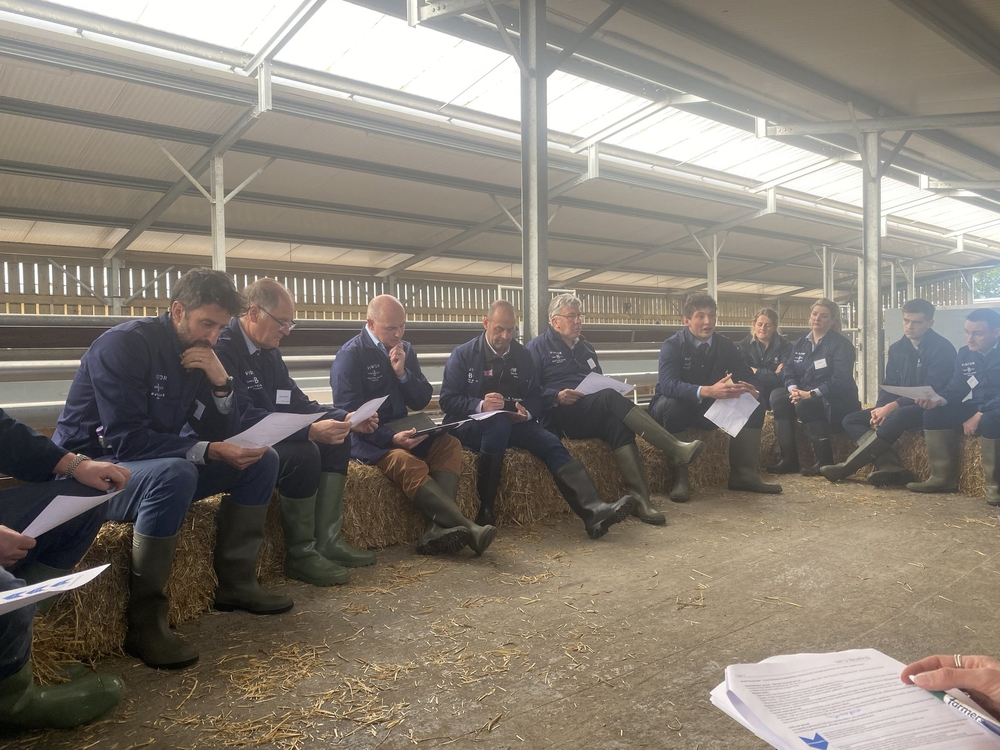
(979, 676)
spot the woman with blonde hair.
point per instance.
(819, 389)
(765, 351)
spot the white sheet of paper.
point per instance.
(480, 416)
(22, 597)
(367, 410)
(61, 509)
(914, 391)
(595, 382)
(850, 699)
(731, 414)
(272, 429)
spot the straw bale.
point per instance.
(710, 469)
(769, 453)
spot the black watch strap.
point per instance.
(223, 390)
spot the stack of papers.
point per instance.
(849, 700)
(595, 382)
(731, 414)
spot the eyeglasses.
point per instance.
(286, 326)
(572, 316)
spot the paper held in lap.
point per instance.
(595, 382)
(272, 429)
(61, 509)
(849, 700)
(914, 391)
(732, 413)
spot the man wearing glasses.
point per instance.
(376, 363)
(563, 358)
(312, 472)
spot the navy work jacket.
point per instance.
(24, 454)
(931, 363)
(262, 383)
(362, 372)
(985, 368)
(558, 366)
(767, 359)
(131, 389)
(463, 377)
(676, 379)
(834, 378)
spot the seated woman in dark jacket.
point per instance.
(819, 389)
(765, 351)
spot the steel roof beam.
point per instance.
(958, 25)
(292, 25)
(886, 124)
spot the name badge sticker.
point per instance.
(199, 409)
(820, 364)
(592, 363)
(283, 397)
(973, 381)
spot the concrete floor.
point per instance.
(555, 641)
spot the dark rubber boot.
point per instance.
(678, 451)
(447, 529)
(302, 561)
(820, 433)
(744, 463)
(943, 450)
(581, 495)
(489, 469)
(239, 534)
(784, 431)
(889, 471)
(636, 484)
(870, 447)
(330, 520)
(990, 476)
(149, 636)
(29, 706)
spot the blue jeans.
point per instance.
(496, 434)
(161, 490)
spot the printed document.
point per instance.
(850, 700)
(272, 429)
(367, 410)
(914, 391)
(60, 510)
(480, 416)
(595, 382)
(732, 413)
(22, 597)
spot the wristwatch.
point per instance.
(225, 389)
(80, 458)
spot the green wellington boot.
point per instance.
(889, 471)
(744, 463)
(446, 526)
(943, 451)
(489, 467)
(870, 447)
(302, 561)
(581, 495)
(636, 484)
(329, 522)
(678, 451)
(238, 536)
(784, 431)
(820, 432)
(148, 635)
(29, 706)
(990, 476)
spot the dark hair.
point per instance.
(699, 302)
(832, 307)
(772, 315)
(919, 307)
(987, 315)
(203, 286)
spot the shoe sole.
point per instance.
(445, 545)
(227, 607)
(652, 520)
(617, 517)
(171, 665)
(891, 478)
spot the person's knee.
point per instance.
(177, 474)
(495, 435)
(446, 454)
(989, 426)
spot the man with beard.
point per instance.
(152, 395)
(493, 372)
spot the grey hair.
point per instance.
(266, 293)
(566, 299)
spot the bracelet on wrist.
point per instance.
(80, 458)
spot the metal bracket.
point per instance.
(554, 212)
(873, 169)
(264, 87)
(248, 180)
(507, 211)
(708, 255)
(514, 51)
(416, 13)
(887, 162)
(594, 162)
(597, 23)
(184, 172)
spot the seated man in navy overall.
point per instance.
(26, 455)
(920, 357)
(313, 462)
(375, 363)
(971, 401)
(152, 395)
(494, 372)
(697, 367)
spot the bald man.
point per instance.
(312, 469)
(493, 372)
(375, 363)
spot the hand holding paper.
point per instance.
(915, 392)
(61, 509)
(272, 429)
(595, 382)
(367, 410)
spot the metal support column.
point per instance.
(534, 169)
(713, 269)
(870, 287)
(893, 303)
(218, 215)
(114, 267)
(828, 262)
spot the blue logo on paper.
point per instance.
(817, 742)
